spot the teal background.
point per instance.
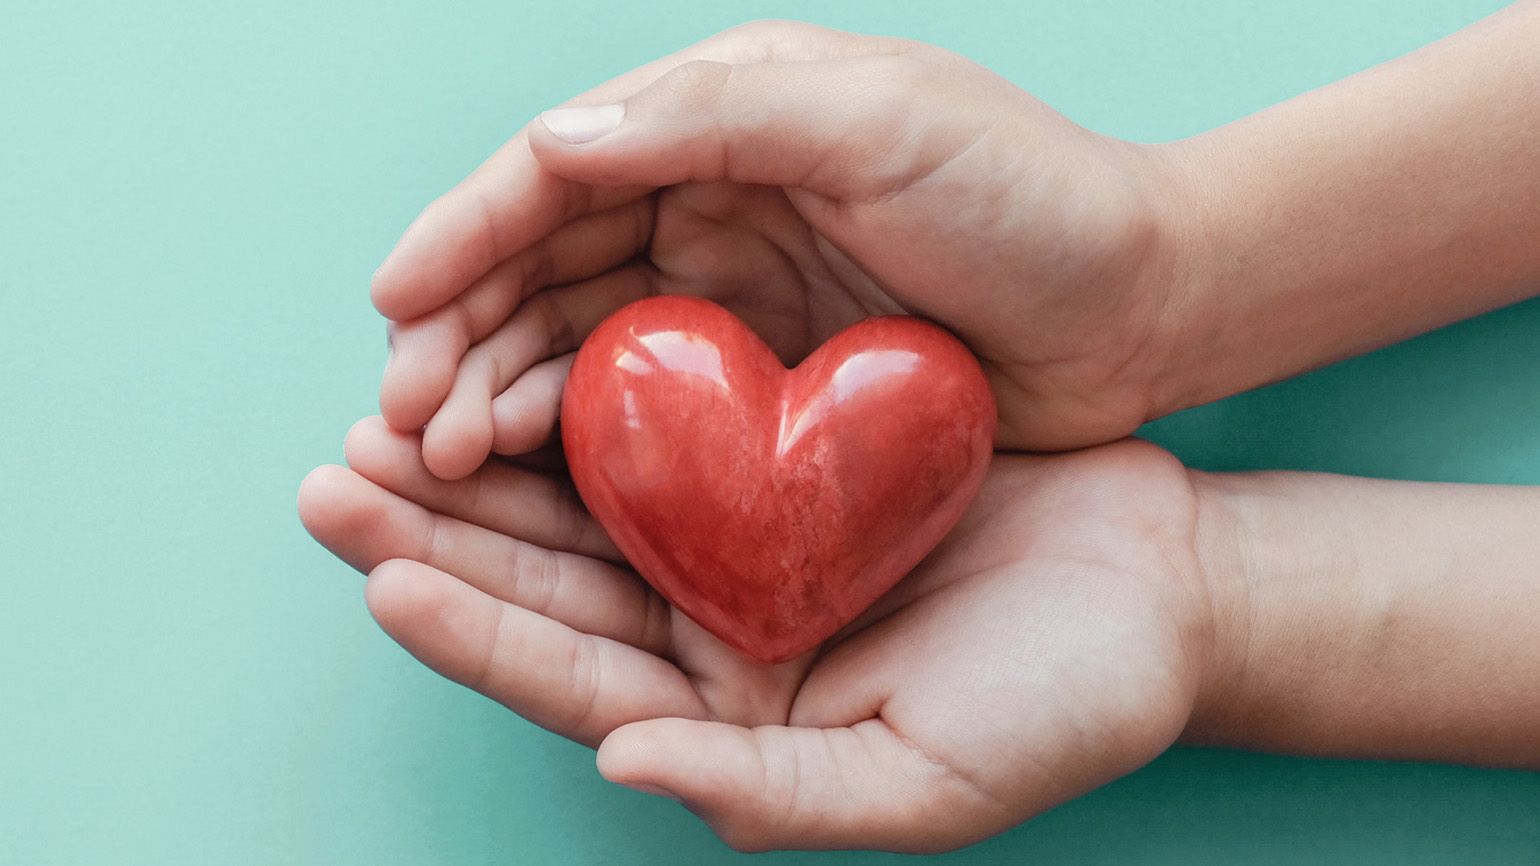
(192, 199)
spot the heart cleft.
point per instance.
(773, 506)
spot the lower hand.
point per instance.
(1055, 641)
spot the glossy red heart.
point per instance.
(771, 505)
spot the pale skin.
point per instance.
(1092, 608)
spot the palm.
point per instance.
(1044, 649)
(1041, 650)
(750, 249)
(799, 267)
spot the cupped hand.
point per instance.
(1055, 641)
(804, 178)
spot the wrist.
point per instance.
(1359, 617)
(1283, 572)
(1177, 310)
(1224, 541)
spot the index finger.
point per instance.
(510, 202)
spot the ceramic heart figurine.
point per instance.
(771, 505)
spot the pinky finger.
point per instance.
(524, 416)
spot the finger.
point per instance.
(575, 684)
(852, 129)
(518, 503)
(552, 322)
(426, 351)
(781, 787)
(365, 525)
(503, 207)
(510, 201)
(524, 416)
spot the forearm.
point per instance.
(1382, 206)
(1371, 618)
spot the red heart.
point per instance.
(771, 505)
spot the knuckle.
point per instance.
(483, 675)
(655, 625)
(554, 322)
(764, 39)
(432, 543)
(462, 320)
(642, 223)
(476, 496)
(771, 39)
(537, 577)
(897, 78)
(751, 39)
(539, 268)
(478, 369)
(574, 523)
(763, 29)
(697, 84)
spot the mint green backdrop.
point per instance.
(191, 202)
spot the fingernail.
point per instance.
(582, 125)
(649, 788)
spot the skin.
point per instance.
(806, 178)
(1114, 602)
(1080, 569)
(717, 186)
(1371, 618)
(1093, 607)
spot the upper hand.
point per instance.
(804, 178)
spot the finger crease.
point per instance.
(536, 577)
(483, 678)
(560, 333)
(433, 539)
(584, 686)
(947, 771)
(493, 233)
(655, 636)
(538, 273)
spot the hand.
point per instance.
(1055, 641)
(804, 178)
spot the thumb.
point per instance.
(782, 787)
(841, 128)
